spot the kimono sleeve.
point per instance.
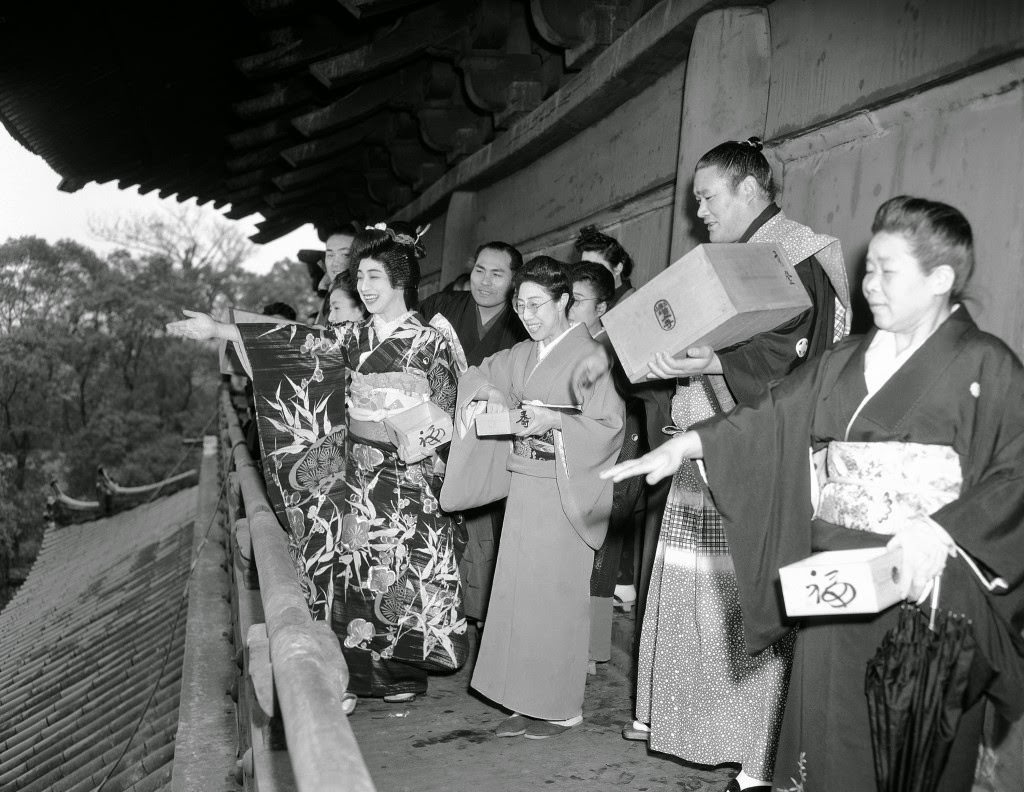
(477, 471)
(759, 475)
(750, 367)
(987, 520)
(590, 442)
(443, 375)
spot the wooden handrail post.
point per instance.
(310, 675)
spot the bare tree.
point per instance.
(189, 236)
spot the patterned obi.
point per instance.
(376, 396)
(876, 487)
(540, 449)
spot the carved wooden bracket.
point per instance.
(583, 28)
(432, 27)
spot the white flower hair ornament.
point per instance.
(404, 239)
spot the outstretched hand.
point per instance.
(198, 326)
(655, 465)
(660, 463)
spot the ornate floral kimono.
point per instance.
(943, 435)
(379, 555)
(533, 651)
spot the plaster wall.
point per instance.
(834, 57)
(618, 174)
(949, 129)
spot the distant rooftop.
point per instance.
(91, 654)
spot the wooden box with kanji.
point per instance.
(837, 582)
(500, 423)
(716, 295)
(420, 429)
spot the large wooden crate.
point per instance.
(716, 295)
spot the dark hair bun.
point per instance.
(754, 142)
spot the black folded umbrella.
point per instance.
(915, 687)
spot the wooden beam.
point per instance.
(269, 230)
(296, 48)
(310, 195)
(243, 209)
(324, 147)
(280, 96)
(262, 8)
(368, 8)
(430, 27)
(260, 135)
(311, 173)
(246, 195)
(257, 158)
(248, 179)
(644, 53)
(357, 104)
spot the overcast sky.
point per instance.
(31, 205)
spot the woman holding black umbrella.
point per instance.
(919, 429)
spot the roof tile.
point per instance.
(90, 660)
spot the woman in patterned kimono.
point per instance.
(533, 650)
(379, 554)
(921, 424)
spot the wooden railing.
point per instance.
(295, 676)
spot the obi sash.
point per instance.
(876, 487)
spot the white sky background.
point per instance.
(31, 205)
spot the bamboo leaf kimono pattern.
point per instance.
(378, 554)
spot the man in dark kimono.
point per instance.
(693, 715)
(485, 323)
(482, 317)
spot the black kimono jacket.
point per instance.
(460, 310)
(963, 388)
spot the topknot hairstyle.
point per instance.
(938, 234)
(738, 159)
(592, 240)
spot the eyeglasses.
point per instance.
(523, 308)
(577, 298)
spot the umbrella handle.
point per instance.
(936, 582)
(991, 585)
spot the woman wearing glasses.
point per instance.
(533, 651)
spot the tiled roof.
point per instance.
(91, 654)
